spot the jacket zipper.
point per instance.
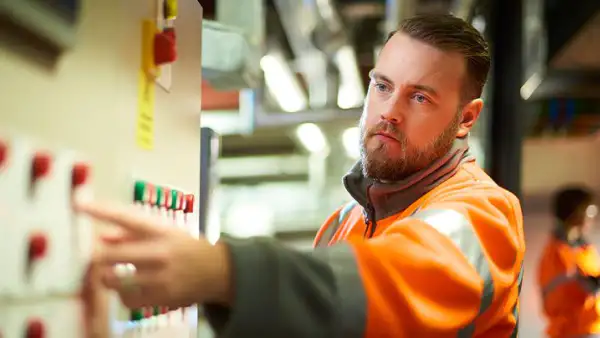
(371, 224)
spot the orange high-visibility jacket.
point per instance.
(571, 304)
(437, 255)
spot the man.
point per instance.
(430, 247)
(569, 268)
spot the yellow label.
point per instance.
(148, 33)
(144, 133)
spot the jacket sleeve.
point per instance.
(427, 275)
(563, 286)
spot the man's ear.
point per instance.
(470, 114)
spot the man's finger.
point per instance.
(138, 253)
(128, 218)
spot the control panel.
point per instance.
(45, 245)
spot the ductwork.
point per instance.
(232, 46)
(316, 35)
(561, 62)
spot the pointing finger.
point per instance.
(128, 218)
(140, 254)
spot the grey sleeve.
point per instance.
(280, 292)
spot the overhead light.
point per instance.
(350, 141)
(530, 86)
(282, 83)
(351, 93)
(479, 23)
(311, 137)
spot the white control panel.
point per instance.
(46, 247)
(44, 244)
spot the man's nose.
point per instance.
(393, 111)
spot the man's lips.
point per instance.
(386, 135)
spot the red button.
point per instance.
(189, 203)
(35, 329)
(3, 152)
(167, 200)
(80, 174)
(170, 32)
(38, 245)
(164, 49)
(41, 165)
(179, 200)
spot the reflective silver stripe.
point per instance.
(456, 227)
(351, 297)
(515, 332)
(556, 282)
(333, 227)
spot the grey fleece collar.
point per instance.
(383, 200)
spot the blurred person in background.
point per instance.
(569, 268)
(430, 246)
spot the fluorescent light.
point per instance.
(350, 140)
(311, 137)
(479, 23)
(351, 93)
(530, 86)
(282, 83)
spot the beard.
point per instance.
(379, 163)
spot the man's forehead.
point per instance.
(407, 60)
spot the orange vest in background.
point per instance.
(571, 306)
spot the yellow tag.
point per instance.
(170, 8)
(144, 133)
(149, 31)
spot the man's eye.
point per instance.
(420, 98)
(381, 87)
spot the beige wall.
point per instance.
(89, 101)
(549, 164)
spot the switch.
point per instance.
(159, 197)
(165, 50)
(139, 191)
(80, 174)
(170, 32)
(3, 152)
(174, 194)
(151, 195)
(168, 198)
(136, 315)
(170, 9)
(179, 200)
(189, 204)
(35, 329)
(38, 246)
(41, 165)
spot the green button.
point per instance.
(139, 191)
(160, 195)
(137, 314)
(174, 194)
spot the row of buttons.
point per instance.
(164, 199)
(41, 167)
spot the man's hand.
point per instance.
(171, 267)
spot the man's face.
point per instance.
(413, 110)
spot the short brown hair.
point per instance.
(449, 33)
